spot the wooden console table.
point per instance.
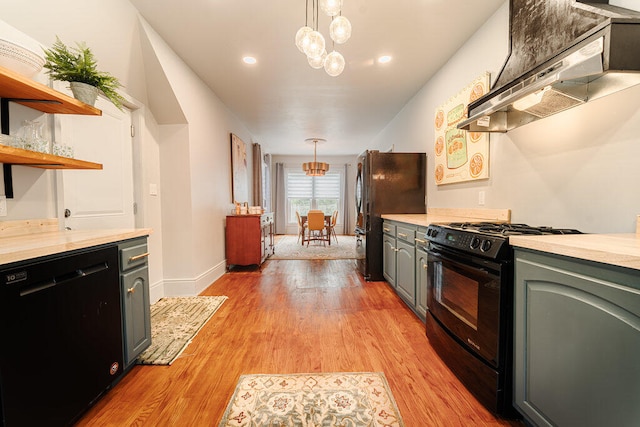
(249, 239)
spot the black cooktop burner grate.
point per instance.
(507, 229)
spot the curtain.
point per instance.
(257, 175)
(281, 201)
(347, 202)
(267, 183)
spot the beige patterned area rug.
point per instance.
(289, 247)
(174, 323)
(347, 399)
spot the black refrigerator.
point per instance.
(386, 183)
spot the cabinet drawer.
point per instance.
(420, 239)
(389, 229)
(406, 234)
(133, 254)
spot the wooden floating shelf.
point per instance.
(18, 156)
(32, 94)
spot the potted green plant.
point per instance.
(78, 66)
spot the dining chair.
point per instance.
(316, 227)
(322, 212)
(301, 227)
(331, 229)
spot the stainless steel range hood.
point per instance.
(602, 57)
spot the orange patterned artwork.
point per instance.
(460, 155)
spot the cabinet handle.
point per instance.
(396, 249)
(137, 257)
(424, 266)
(386, 229)
(424, 242)
(132, 290)
(404, 236)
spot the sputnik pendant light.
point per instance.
(312, 43)
(315, 168)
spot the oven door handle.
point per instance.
(438, 252)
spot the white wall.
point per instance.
(576, 169)
(150, 208)
(196, 174)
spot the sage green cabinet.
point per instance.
(389, 258)
(577, 341)
(406, 272)
(421, 283)
(401, 268)
(134, 283)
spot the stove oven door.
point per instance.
(464, 296)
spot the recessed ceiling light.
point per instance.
(384, 59)
(249, 60)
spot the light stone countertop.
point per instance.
(35, 245)
(445, 216)
(424, 220)
(616, 249)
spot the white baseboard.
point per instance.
(193, 286)
(156, 291)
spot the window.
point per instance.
(313, 192)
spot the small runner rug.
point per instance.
(290, 247)
(334, 399)
(174, 323)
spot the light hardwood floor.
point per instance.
(295, 317)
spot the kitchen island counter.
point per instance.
(616, 249)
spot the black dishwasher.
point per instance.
(61, 335)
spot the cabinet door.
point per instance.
(244, 242)
(389, 259)
(137, 324)
(577, 341)
(421, 283)
(406, 272)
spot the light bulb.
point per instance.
(331, 7)
(340, 29)
(334, 64)
(301, 37)
(316, 45)
(530, 100)
(317, 62)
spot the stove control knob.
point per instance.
(486, 245)
(475, 243)
(434, 233)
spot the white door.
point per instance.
(99, 198)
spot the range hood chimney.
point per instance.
(563, 53)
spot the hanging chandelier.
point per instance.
(310, 42)
(315, 168)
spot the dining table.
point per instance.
(303, 218)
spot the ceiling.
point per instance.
(282, 100)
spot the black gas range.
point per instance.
(487, 239)
(470, 304)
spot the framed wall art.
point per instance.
(239, 180)
(460, 155)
